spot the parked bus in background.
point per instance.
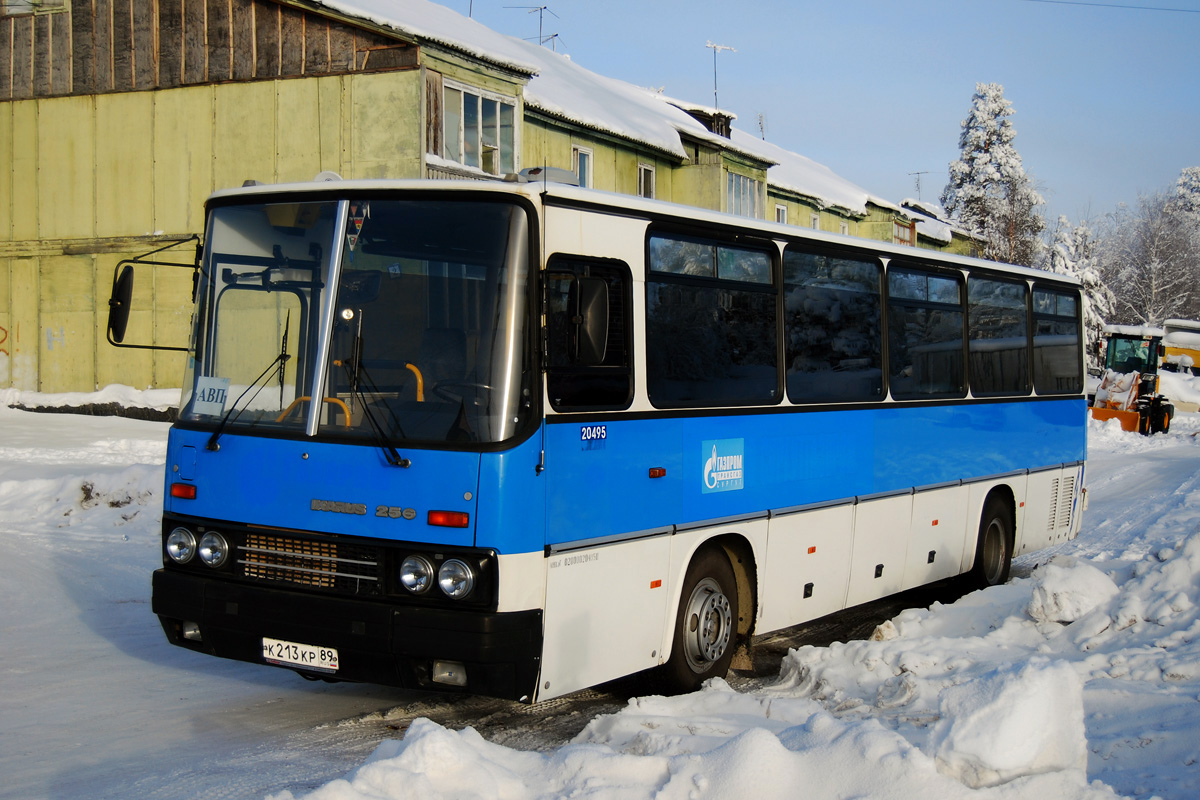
(522, 438)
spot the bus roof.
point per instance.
(563, 194)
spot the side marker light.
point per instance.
(658, 472)
(184, 491)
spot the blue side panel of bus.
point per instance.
(724, 466)
(274, 482)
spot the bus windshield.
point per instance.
(406, 319)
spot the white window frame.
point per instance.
(743, 195)
(646, 181)
(781, 213)
(814, 221)
(585, 177)
(844, 228)
(483, 94)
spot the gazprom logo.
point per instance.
(723, 469)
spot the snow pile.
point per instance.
(1011, 723)
(115, 394)
(1180, 387)
(715, 743)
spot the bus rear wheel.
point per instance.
(705, 625)
(993, 551)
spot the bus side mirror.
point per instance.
(591, 318)
(118, 304)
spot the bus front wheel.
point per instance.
(705, 625)
(993, 552)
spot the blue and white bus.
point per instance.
(519, 439)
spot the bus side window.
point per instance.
(834, 327)
(925, 334)
(999, 326)
(711, 331)
(1057, 362)
(576, 380)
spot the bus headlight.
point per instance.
(456, 578)
(213, 549)
(416, 574)
(181, 545)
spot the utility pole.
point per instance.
(717, 48)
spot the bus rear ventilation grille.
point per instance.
(334, 566)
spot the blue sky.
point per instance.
(1106, 98)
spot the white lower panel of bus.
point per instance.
(605, 608)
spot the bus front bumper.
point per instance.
(376, 642)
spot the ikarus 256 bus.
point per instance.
(518, 439)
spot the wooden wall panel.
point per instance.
(170, 43)
(122, 45)
(60, 53)
(22, 58)
(25, 171)
(316, 46)
(6, 41)
(102, 36)
(41, 56)
(266, 39)
(243, 40)
(291, 41)
(219, 20)
(82, 66)
(68, 323)
(183, 139)
(195, 41)
(341, 48)
(145, 55)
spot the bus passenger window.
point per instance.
(1057, 360)
(572, 383)
(834, 327)
(999, 331)
(925, 335)
(711, 334)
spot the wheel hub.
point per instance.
(709, 623)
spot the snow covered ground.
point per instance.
(1079, 679)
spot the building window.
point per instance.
(815, 221)
(743, 195)
(478, 130)
(14, 8)
(902, 233)
(581, 165)
(844, 228)
(781, 214)
(646, 180)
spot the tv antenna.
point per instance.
(541, 12)
(917, 180)
(717, 48)
(762, 125)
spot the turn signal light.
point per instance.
(184, 491)
(449, 519)
(658, 472)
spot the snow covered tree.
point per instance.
(1151, 260)
(1074, 252)
(989, 193)
(1187, 193)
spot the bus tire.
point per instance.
(993, 551)
(705, 624)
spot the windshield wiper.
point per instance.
(358, 375)
(281, 360)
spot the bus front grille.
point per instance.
(332, 566)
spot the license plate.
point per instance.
(294, 654)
